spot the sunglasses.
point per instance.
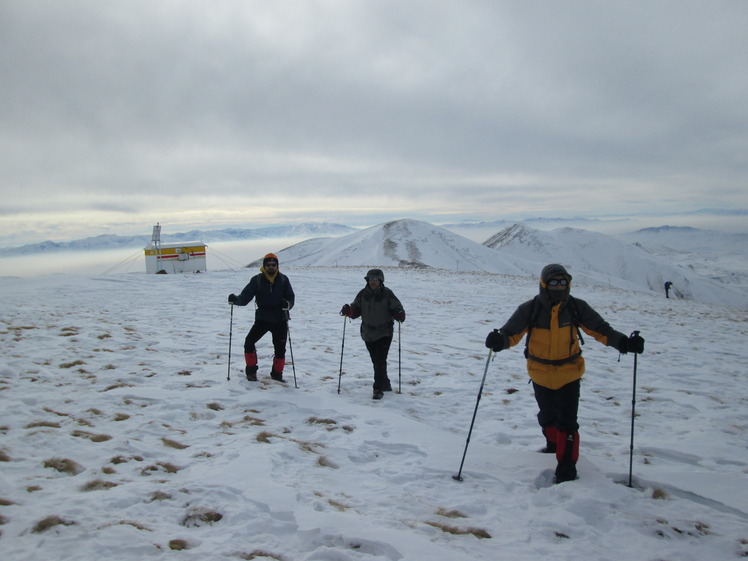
(557, 282)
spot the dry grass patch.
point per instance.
(50, 522)
(324, 462)
(337, 505)
(64, 465)
(72, 364)
(477, 532)
(50, 410)
(450, 513)
(134, 524)
(258, 553)
(252, 421)
(318, 421)
(159, 496)
(47, 424)
(178, 545)
(117, 386)
(121, 417)
(264, 436)
(174, 444)
(4, 457)
(215, 406)
(91, 436)
(6, 502)
(98, 485)
(160, 466)
(123, 460)
(201, 517)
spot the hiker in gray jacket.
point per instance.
(378, 308)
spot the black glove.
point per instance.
(345, 310)
(233, 298)
(495, 341)
(399, 315)
(623, 345)
(285, 305)
(636, 343)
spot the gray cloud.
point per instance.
(242, 107)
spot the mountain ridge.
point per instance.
(518, 250)
(113, 241)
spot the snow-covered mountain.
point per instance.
(109, 241)
(607, 260)
(720, 256)
(590, 257)
(402, 243)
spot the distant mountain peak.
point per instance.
(657, 229)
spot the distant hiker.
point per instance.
(668, 284)
(552, 321)
(378, 308)
(274, 297)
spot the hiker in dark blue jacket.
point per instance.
(274, 297)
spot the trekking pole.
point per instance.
(231, 330)
(633, 414)
(399, 360)
(290, 346)
(341, 354)
(458, 476)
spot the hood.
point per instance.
(548, 272)
(374, 274)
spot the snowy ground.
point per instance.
(123, 439)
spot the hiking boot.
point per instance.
(277, 376)
(550, 448)
(378, 394)
(251, 372)
(566, 471)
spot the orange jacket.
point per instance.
(553, 351)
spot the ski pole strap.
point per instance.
(566, 360)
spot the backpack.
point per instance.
(534, 312)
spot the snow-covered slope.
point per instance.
(606, 260)
(123, 440)
(721, 256)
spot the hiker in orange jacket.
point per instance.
(552, 321)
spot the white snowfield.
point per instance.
(123, 439)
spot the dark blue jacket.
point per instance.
(268, 297)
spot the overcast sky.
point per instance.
(115, 115)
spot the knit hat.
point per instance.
(374, 274)
(269, 258)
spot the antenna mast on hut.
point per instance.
(156, 242)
